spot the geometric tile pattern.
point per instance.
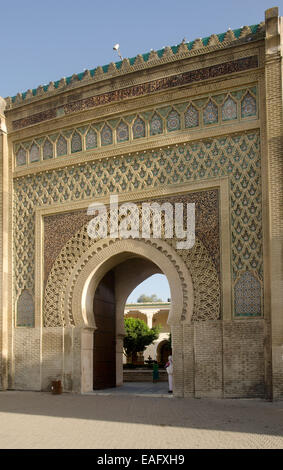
(156, 125)
(247, 295)
(21, 157)
(248, 106)
(215, 109)
(91, 139)
(210, 113)
(47, 149)
(207, 299)
(122, 132)
(76, 142)
(204, 274)
(138, 128)
(173, 121)
(236, 156)
(106, 135)
(229, 109)
(191, 117)
(34, 155)
(61, 146)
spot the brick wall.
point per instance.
(208, 359)
(243, 356)
(224, 359)
(274, 115)
(27, 358)
(52, 356)
(211, 359)
(189, 360)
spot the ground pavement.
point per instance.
(124, 420)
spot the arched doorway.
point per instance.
(131, 262)
(104, 310)
(163, 351)
(108, 311)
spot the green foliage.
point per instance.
(148, 298)
(138, 336)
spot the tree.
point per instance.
(148, 298)
(138, 336)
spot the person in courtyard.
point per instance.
(169, 370)
(155, 372)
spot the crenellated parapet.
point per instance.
(141, 61)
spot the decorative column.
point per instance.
(274, 135)
(149, 318)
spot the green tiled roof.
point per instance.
(160, 52)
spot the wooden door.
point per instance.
(104, 347)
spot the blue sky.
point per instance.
(48, 40)
(156, 284)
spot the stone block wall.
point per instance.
(208, 359)
(41, 356)
(52, 356)
(243, 355)
(223, 359)
(189, 360)
(26, 342)
(211, 359)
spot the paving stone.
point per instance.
(70, 421)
